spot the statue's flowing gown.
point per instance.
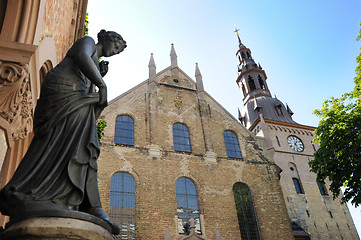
(60, 165)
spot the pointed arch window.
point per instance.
(278, 141)
(232, 144)
(187, 203)
(124, 130)
(298, 185)
(322, 188)
(261, 82)
(243, 56)
(122, 203)
(181, 140)
(244, 90)
(247, 219)
(251, 84)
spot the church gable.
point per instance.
(171, 97)
(180, 80)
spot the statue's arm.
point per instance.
(83, 58)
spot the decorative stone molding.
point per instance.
(16, 52)
(16, 105)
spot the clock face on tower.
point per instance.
(295, 143)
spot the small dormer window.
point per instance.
(279, 110)
(248, 55)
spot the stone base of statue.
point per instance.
(56, 228)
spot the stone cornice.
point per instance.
(16, 52)
(249, 71)
(285, 124)
(295, 153)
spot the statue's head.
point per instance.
(112, 42)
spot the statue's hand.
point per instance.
(102, 95)
(103, 65)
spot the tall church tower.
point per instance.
(257, 97)
(312, 211)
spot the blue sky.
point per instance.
(307, 48)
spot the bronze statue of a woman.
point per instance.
(58, 174)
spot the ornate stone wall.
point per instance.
(16, 106)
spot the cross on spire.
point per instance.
(236, 30)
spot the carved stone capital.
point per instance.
(16, 105)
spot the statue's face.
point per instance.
(111, 48)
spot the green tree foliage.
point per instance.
(101, 124)
(86, 25)
(339, 137)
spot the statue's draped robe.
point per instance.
(60, 165)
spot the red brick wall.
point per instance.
(59, 23)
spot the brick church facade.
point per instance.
(171, 152)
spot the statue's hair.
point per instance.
(109, 35)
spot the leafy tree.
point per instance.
(101, 125)
(339, 137)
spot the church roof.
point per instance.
(271, 108)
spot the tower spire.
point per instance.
(257, 98)
(251, 77)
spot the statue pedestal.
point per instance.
(55, 228)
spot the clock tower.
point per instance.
(312, 211)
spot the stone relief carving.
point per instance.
(16, 105)
(178, 100)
